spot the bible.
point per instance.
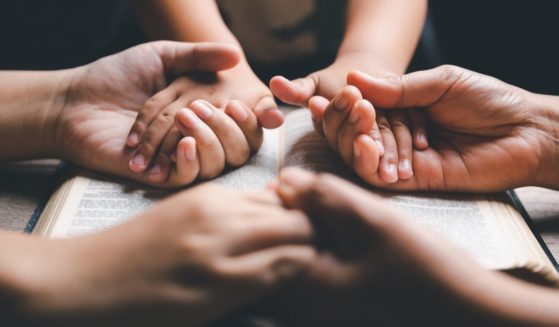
(488, 227)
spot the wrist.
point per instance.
(546, 121)
(368, 61)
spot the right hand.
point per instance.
(485, 135)
(188, 261)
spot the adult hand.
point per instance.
(188, 261)
(104, 98)
(485, 135)
(376, 267)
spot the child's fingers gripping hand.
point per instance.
(248, 123)
(210, 151)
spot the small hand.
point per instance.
(154, 135)
(486, 135)
(188, 261)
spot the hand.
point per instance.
(104, 98)
(223, 139)
(485, 135)
(394, 132)
(375, 264)
(188, 261)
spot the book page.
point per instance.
(95, 203)
(466, 220)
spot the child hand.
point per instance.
(328, 81)
(154, 136)
(379, 151)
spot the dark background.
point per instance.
(512, 40)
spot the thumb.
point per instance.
(296, 92)
(181, 57)
(418, 89)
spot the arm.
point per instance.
(386, 29)
(29, 105)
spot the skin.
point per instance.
(470, 116)
(376, 267)
(179, 263)
(187, 261)
(85, 115)
(380, 38)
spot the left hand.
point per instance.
(104, 97)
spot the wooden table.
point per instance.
(24, 185)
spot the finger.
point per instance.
(366, 159)
(247, 121)
(159, 170)
(181, 57)
(337, 112)
(187, 166)
(234, 143)
(360, 121)
(266, 227)
(388, 168)
(260, 271)
(375, 135)
(414, 90)
(317, 107)
(296, 92)
(267, 112)
(154, 135)
(210, 151)
(418, 124)
(149, 111)
(402, 135)
(169, 144)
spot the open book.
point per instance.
(488, 227)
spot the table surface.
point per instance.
(24, 185)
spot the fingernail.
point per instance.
(133, 138)
(380, 147)
(392, 171)
(421, 137)
(202, 109)
(238, 112)
(405, 165)
(188, 119)
(356, 150)
(295, 177)
(139, 160)
(155, 171)
(353, 116)
(341, 102)
(190, 152)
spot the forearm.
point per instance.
(29, 104)
(185, 20)
(388, 29)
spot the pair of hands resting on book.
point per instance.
(484, 135)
